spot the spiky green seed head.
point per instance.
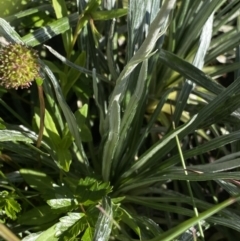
(18, 66)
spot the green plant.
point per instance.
(131, 158)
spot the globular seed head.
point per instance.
(18, 66)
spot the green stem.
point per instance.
(188, 184)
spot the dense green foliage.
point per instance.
(127, 134)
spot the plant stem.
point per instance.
(7, 234)
(42, 115)
(188, 184)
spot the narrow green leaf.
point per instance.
(74, 74)
(81, 117)
(9, 32)
(198, 61)
(68, 114)
(189, 71)
(174, 232)
(106, 15)
(131, 222)
(148, 226)
(195, 25)
(99, 101)
(146, 156)
(229, 186)
(64, 158)
(27, 12)
(92, 5)
(130, 112)
(143, 52)
(153, 117)
(47, 32)
(105, 219)
(51, 129)
(37, 216)
(53, 108)
(14, 113)
(36, 180)
(210, 145)
(112, 141)
(216, 166)
(226, 46)
(176, 175)
(113, 67)
(61, 11)
(60, 8)
(70, 64)
(88, 235)
(10, 135)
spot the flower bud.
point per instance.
(18, 66)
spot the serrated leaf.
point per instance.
(89, 191)
(11, 208)
(62, 203)
(32, 237)
(60, 198)
(48, 235)
(70, 226)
